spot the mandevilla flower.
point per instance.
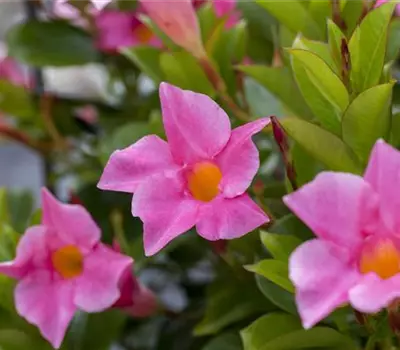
(117, 29)
(61, 267)
(227, 8)
(356, 255)
(178, 20)
(198, 178)
(381, 2)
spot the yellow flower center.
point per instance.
(68, 261)
(383, 259)
(143, 33)
(203, 181)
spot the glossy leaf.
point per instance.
(16, 101)
(367, 119)
(274, 270)
(323, 145)
(335, 39)
(280, 246)
(147, 59)
(279, 81)
(351, 14)
(226, 341)
(368, 48)
(31, 43)
(321, 87)
(393, 46)
(267, 328)
(181, 69)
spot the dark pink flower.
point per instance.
(227, 8)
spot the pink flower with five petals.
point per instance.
(61, 267)
(199, 178)
(356, 255)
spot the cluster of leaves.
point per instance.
(325, 71)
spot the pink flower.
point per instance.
(135, 299)
(356, 255)
(61, 267)
(381, 2)
(117, 29)
(198, 178)
(178, 20)
(11, 71)
(227, 8)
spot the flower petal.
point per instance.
(338, 207)
(372, 293)
(46, 303)
(196, 127)
(129, 167)
(98, 287)
(383, 173)
(31, 251)
(72, 223)
(230, 218)
(165, 211)
(179, 22)
(239, 160)
(320, 290)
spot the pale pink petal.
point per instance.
(383, 174)
(239, 160)
(229, 218)
(71, 222)
(372, 293)
(196, 127)
(129, 167)
(32, 252)
(98, 287)
(46, 303)
(338, 207)
(12, 72)
(322, 275)
(178, 21)
(165, 210)
(115, 30)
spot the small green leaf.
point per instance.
(279, 81)
(268, 328)
(335, 39)
(323, 145)
(64, 45)
(36, 217)
(277, 295)
(182, 69)
(320, 10)
(280, 246)
(291, 225)
(16, 101)
(395, 132)
(274, 270)
(351, 14)
(305, 165)
(226, 341)
(301, 22)
(393, 46)
(321, 87)
(20, 204)
(147, 59)
(367, 119)
(368, 48)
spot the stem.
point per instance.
(23, 138)
(219, 85)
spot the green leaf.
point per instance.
(268, 328)
(335, 39)
(274, 270)
(64, 45)
(226, 341)
(367, 119)
(305, 165)
(393, 45)
(318, 337)
(301, 22)
(279, 82)
(321, 87)
(36, 217)
(182, 69)
(368, 48)
(147, 59)
(122, 137)
(395, 132)
(277, 295)
(319, 48)
(280, 246)
(323, 145)
(291, 225)
(16, 101)
(20, 204)
(351, 14)
(320, 10)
